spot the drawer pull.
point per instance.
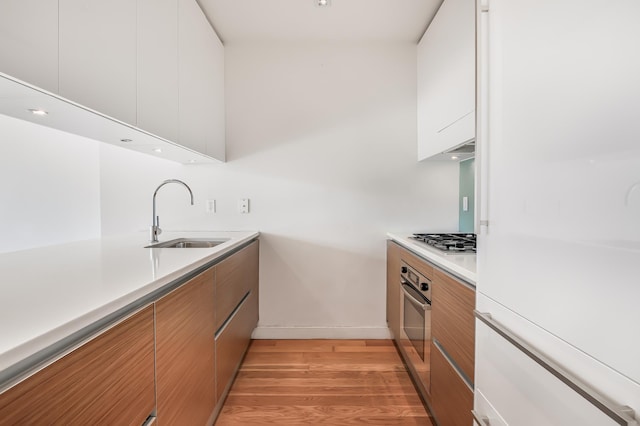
(151, 421)
(481, 420)
(623, 415)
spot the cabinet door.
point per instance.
(233, 341)
(157, 82)
(393, 288)
(185, 352)
(451, 397)
(29, 41)
(446, 79)
(453, 323)
(109, 381)
(98, 55)
(236, 276)
(201, 83)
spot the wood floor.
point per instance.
(322, 382)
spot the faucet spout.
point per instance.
(155, 221)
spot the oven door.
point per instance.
(415, 332)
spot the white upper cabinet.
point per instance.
(98, 55)
(157, 67)
(29, 41)
(446, 79)
(201, 83)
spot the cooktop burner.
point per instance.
(450, 243)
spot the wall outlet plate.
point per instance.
(243, 205)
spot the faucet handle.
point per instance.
(158, 230)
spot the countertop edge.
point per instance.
(26, 359)
(444, 262)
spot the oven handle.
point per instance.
(413, 300)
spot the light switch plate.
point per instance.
(210, 206)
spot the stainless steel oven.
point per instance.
(415, 322)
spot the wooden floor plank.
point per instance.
(332, 382)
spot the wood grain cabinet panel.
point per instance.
(236, 276)
(451, 398)
(393, 288)
(185, 352)
(453, 323)
(417, 263)
(233, 342)
(108, 380)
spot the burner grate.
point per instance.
(450, 243)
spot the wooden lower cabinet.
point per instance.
(108, 380)
(237, 275)
(451, 398)
(232, 343)
(453, 322)
(185, 352)
(233, 339)
(120, 378)
(393, 288)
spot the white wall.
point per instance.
(322, 139)
(329, 131)
(49, 183)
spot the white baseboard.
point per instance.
(321, 333)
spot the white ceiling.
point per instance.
(302, 20)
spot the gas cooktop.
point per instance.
(449, 243)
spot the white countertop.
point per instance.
(49, 293)
(461, 265)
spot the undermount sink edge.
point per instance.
(189, 243)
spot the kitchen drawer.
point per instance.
(453, 323)
(233, 340)
(109, 380)
(523, 392)
(235, 276)
(451, 397)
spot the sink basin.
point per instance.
(190, 243)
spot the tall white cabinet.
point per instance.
(29, 41)
(559, 240)
(98, 55)
(201, 82)
(446, 79)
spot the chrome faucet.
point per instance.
(155, 224)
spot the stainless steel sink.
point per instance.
(190, 243)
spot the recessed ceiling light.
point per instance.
(37, 111)
(126, 140)
(454, 157)
(192, 161)
(158, 150)
(323, 3)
